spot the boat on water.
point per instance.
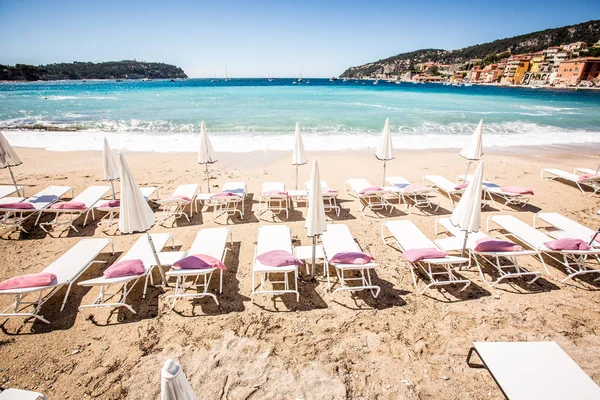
(467, 84)
(226, 76)
(376, 82)
(333, 78)
(345, 80)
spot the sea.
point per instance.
(245, 115)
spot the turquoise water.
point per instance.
(253, 114)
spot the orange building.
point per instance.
(516, 68)
(571, 72)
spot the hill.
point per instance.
(588, 32)
(125, 69)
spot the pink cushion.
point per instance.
(68, 205)
(18, 206)
(587, 176)
(461, 186)
(125, 268)
(330, 192)
(567, 244)
(415, 255)
(415, 187)
(516, 190)
(225, 194)
(274, 193)
(351, 257)
(371, 189)
(278, 258)
(199, 261)
(495, 245)
(175, 198)
(111, 204)
(28, 281)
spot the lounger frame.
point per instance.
(556, 174)
(275, 203)
(175, 208)
(418, 198)
(374, 200)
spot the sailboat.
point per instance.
(226, 77)
(308, 79)
(271, 76)
(300, 79)
(214, 79)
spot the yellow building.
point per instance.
(516, 68)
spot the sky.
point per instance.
(315, 38)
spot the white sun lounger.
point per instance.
(211, 242)
(175, 207)
(420, 197)
(274, 238)
(534, 370)
(338, 239)
(407, 236)
(275, 203)
(18, 394)
(9, 200)
(112, 212)
(373, 199)
(89, 197)
(444, 185)
(576, 262)
(566, 227)
(329, 197)
(555, 173)
(491, 189)
(7, 190)
(40, 201)
(68, 268)
(229, 205)
(512, 269)
(141, 250)
(587, 170)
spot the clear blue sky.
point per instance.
(249, 38)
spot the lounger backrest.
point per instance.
(441, 182)
(91, 195)
(141, 249)
(563, 174)
(524, 232)
(188, 190)
(70, 264)
(409, 236)
(6, 190)
(235, 187)
(358, 184)
(455, 231)
(273, 187)
(274, 238)
(147, 191)
(324, 185)
(47, 196)
(566, 224)
(10, 200)
(210, 242)
(399, 182)
(338, 239)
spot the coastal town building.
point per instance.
(516, 68)
(577, 70)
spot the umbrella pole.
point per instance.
(14, 181)
(594, 237)
(207, 178)
(296, 176)
(314, 255)
(462, 254)
(160, 269)
(112, 186)
(467, 173)
(384, 165)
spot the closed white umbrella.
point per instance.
(173, 384)
(467, 214)
(474, 149)
(315, 219)
(206, 153)
(135, 214)
(385, 150)
(298, 156)
(111, 170)
(9, 158)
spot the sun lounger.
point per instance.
(11, 200)
(534, 370)
(68, 268)
(368, 196)
(141, 250)
(491, 189)
(211, 242)
(407, 237)
(587, 170)
(338, 239)
(505, 263)
(329, 197)
(419, 196)
(14, 217)
(274, 238)
(566, 228)
(112, 212)
(231, 200)
(6, 190)
(18, 394)
(576, 262)
(444, 185)
(273, 198)
(554, 173)
(89, 197)
(175, 204)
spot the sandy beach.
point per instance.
(401, 345)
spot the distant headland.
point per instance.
(126, 69)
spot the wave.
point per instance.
(59, 98)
